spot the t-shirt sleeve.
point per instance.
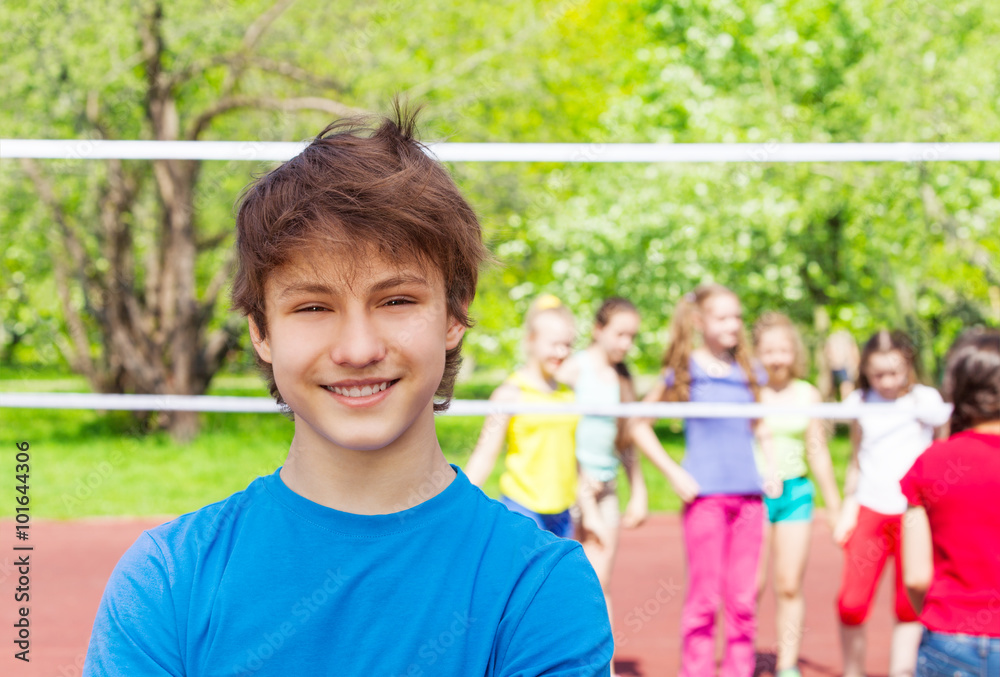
(912, 483)
(135, 632)
(563, 629)
(930, 398)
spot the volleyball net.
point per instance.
(753, 153)
(657, 410)
(279, 151)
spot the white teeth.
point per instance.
(359, 392)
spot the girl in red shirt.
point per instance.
(951, 562)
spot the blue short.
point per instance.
(946, 655)
(795, 503)
(560, 523)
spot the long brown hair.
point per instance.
(677, 357)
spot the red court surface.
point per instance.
(71, 561)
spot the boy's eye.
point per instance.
(311, 309)
(398, 302)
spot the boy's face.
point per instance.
(357, 350)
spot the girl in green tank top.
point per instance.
(599, 377)
(796, 440)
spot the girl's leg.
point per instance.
(704, 523)
(745, 525)
(853, 643)
(907, 632)
(765, 557)
(791, 550)
(865, 555)
(602, 554)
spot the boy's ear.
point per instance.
(261, 345)
(456, 330)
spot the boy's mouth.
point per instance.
(361, 390)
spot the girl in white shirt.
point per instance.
(884, 447)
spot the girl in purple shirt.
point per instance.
(708, 360)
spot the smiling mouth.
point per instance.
(361, 391)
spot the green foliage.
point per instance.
(911, 245)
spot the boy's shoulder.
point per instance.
(205, 524)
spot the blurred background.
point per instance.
(115, 273)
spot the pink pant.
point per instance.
(723, 537)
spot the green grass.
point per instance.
(86, 463)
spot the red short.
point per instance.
(875, 538)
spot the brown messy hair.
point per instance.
(677, 358)
(972, 379)
(885, 341)
(361, 187)
(775, 320)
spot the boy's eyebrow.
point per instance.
(381, 285)
(305, 288)
(398, 281)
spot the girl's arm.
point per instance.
(569, 371)
(773, 486)
(491, 438)
(638, 503)
(590, 512)
(848, 518)
(637, 509)
(640, 431)
(818, 454)
(918, 555)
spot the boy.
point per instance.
(366, 553)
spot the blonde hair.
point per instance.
(774, 320)
(677, 357)
(546, 304)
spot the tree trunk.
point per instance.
(151, 328)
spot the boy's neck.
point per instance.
(375, 482)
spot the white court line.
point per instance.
(87, 149)
(98, 401)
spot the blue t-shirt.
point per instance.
(719, 452)
(270, 583)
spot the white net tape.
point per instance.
(87, 149)
(476, 407)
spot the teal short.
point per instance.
(795, 503)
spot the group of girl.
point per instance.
(747, 498)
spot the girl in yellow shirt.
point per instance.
(540, 478)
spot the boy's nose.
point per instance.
(358, 342)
